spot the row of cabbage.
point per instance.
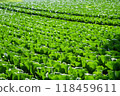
(96, 20)
(95, 8)
(70, 50)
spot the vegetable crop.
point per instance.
(38, 40)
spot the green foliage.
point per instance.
(89, 78)
(114, 65)
(55, 43)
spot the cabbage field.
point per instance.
(60, 40)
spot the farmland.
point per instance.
(60, 40)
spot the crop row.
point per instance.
(95, 9)
(101, 21)
(51, 22)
